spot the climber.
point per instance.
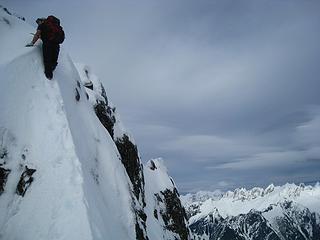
(51, 34)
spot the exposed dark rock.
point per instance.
(87, 72)
(4, 173)
(3, 152)
(207, 225)
(140, 225)
(77, 95)
(104, 94)
(130, 159)
(7, 11)
(159, 199)
(155, 213)
(152, 165)
(174, 185)
(142, 215)
(298, 223)
(193, 209)
(253, 225)
(315, 225)
(128, 151)
(224, 232)
(105, 115)
(78, 84)
(140, 233)
(174, 216)
(25, 181)
(89, 85)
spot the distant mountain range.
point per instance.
(289, 212)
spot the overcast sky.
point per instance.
(226, 92)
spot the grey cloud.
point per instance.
(226, 92)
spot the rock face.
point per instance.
(3, 178)
(25, 181)
(168, 214)
(130, 159)
(174, 215)
(128, 151)
(163, 205)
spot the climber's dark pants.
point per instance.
(50, 56)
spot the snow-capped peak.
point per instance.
(241, 200)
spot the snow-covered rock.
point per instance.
(68, 168)
(276, 212)
(163, 203)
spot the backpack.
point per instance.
(55, 33)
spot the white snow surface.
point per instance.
(87, 77)
(80, 189)
(241, 201)
(157, 180)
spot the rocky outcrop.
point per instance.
(131, 161)
(129, 158)
(14, 14)
(4, 173)
(163, 202)
(174, 215)
(128, 151)
(25, 181)
(106, 116)
(167, 210)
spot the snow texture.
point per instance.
(276, 212)
(241, 201)
(80, 188)
(61, 174)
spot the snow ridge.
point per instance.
(242, 200)
(66, 161)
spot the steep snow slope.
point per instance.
(167, 217)
(157, 206)
(68, 168)
(81, 190)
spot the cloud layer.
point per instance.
(227, 92)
